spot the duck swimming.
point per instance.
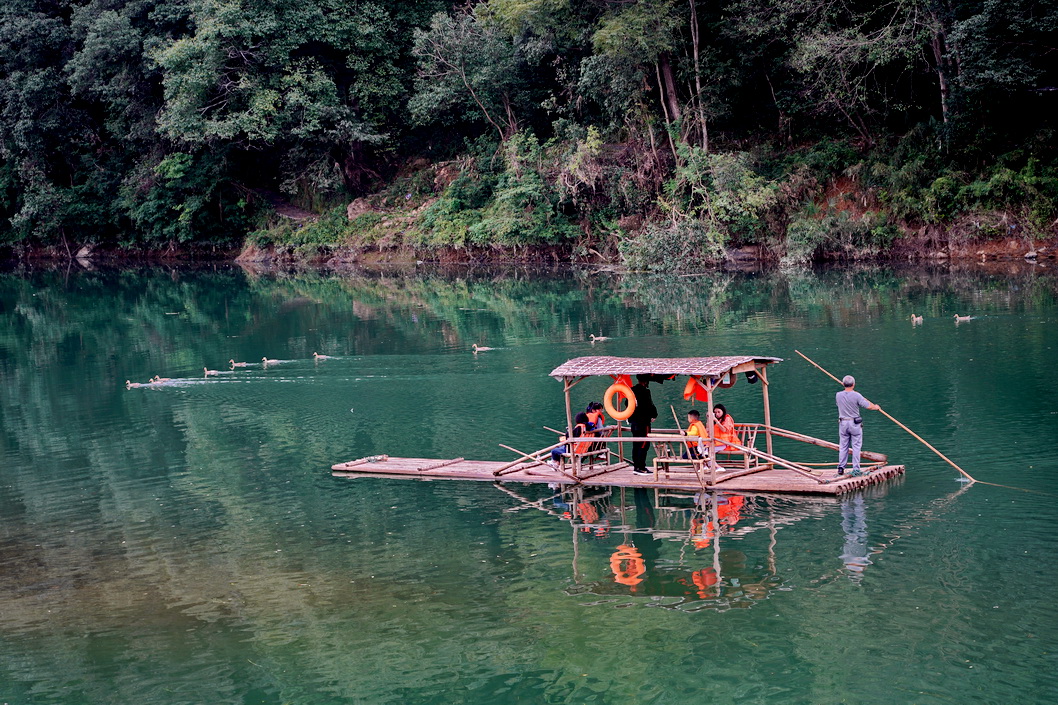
(235, 364)
(317, 356)
(598, 338)
(481, 348)
(916, 319)
(961, 319)
(210, 373)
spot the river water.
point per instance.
(187, 543)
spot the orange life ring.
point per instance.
(625, 391)
(627, 565)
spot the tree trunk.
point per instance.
(942, 67)
(512, 121)
(665, 68)
(698, 75)
(665, 112)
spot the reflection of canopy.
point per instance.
(698, 366)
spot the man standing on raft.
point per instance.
(639, 424)
(850, 429)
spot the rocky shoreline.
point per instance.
(927, 245)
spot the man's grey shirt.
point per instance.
(849, 404)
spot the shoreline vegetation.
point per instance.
(666, 136)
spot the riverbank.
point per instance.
(926, 245)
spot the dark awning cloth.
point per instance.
(698, 366)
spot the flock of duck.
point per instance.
(265, 361)
(206, 372)
(916, 319)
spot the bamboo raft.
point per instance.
(774, 480)
(598, 459)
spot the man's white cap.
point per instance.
(848, 380)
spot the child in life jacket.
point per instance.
(695, 429)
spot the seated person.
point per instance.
(595, 415)
(581, 427)
(724, 430)
(695, 428)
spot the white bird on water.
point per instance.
(481, 348)
(961, 319)
(317, 356)
(598, 338)
(235, 364)
(916, 319)
(210, 373)
(265, 361)
(157, 379)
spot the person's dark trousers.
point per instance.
(639, 450)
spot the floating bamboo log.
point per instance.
(443, 463)
(795, 436)
(361, 461)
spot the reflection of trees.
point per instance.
(56, 318)
(835, 297)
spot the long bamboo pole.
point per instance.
(710, 430)
(793, 435)
(763, 374)
(788, 464)
(701, 480)
(537, 461)
(886, 414)
(569, 417)
(525, 456)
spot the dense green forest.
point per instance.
(656, 132)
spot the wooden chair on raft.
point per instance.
(669, 455)
(594, 451)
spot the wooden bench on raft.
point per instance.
(669, 452)
(597, 450)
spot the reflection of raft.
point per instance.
(601, 463)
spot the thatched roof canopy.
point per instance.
(699, 366)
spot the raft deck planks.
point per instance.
(620, 475)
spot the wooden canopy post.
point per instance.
(767, 407)
(569, 422)
(709, 422)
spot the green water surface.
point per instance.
(188, 543)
